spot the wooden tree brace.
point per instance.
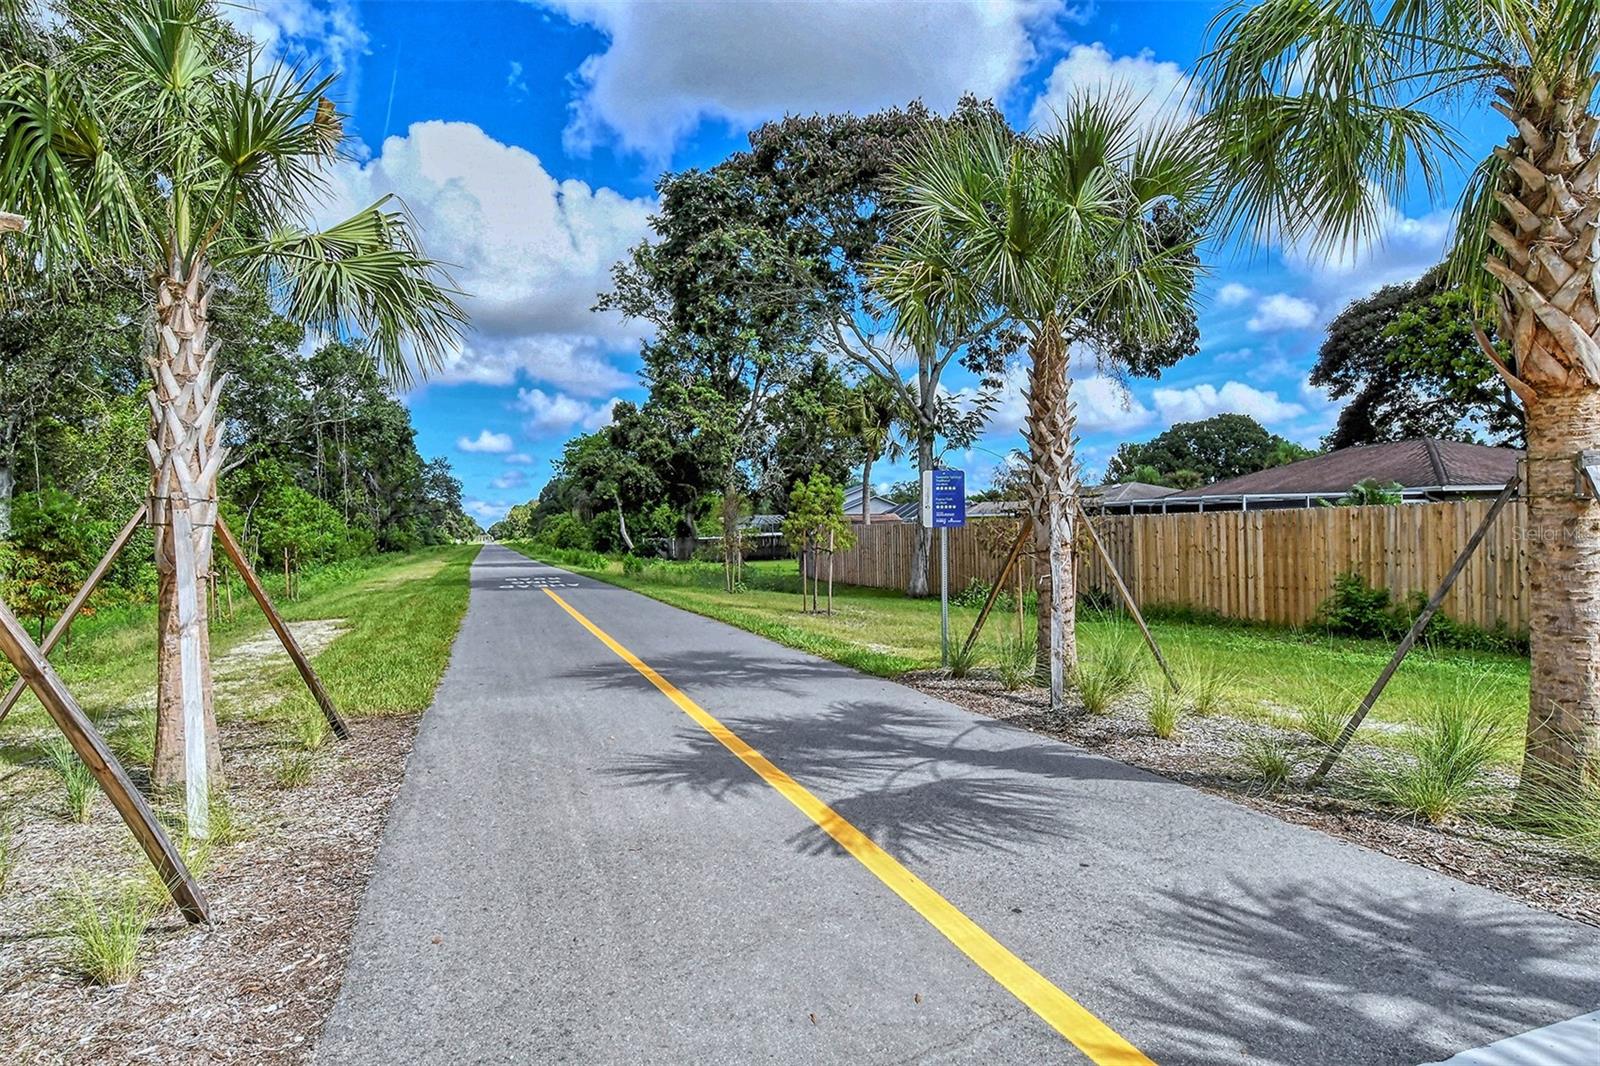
(231, 548)
(96, 755)
(1127, 597)
(1415, 634)
(64, 623)
(1024, 530)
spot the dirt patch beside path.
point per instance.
(255, 986)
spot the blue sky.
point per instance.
(526, 137)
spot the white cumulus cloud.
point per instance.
(1280, 311)
(1203, 401)
(531, 252)
(1103, 404)
(555, 413)
(1233, 294)
(326, 34)
(487, 442)
(1158, 89)
(668, 65)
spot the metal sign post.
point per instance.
(944, 596)
(944, 504)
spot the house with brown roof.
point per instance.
(1426, 471)
(1122, 497)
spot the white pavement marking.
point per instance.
(528, 583)
(1569, 1043)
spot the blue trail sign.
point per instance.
(949, 498)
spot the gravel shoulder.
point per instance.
(1206, 755)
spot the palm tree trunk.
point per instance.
(1549, 235)
(1563, 744)
(1051, 486)
(185, 459)
(918, 584)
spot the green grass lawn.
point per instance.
(1271, 672)
(396, 616)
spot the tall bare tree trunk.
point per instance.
(622, 523)
(1549, 236)
(8, 486)
(1051, 486)
(185, 459)
(918, 585)
(731, 547)
(866, 492)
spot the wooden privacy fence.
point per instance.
(1267, 566)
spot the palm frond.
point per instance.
(1322, 110)
(265, 141)
(58, 169)
(366, 277)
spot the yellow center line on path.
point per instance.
(1063, 1013)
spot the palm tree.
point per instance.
(1069, 235)
(150, 139)
(876, 407)
(1327, 112)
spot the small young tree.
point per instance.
(816, 522)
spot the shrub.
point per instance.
(1356, 609)
(632, 565)
(1446, 762)
(1210, 688)
(293, 768)
(223, 825)
(104, 939)
(1106, 674)
(77, 782)
(308, 731)
(1270, 761)
(962, 658)
(135, 742)
(1325, 713)
(976, 594)
(1571, 815)
(1016, 657)
(1165, 711)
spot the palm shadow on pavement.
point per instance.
(1349, 973)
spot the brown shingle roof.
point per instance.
(1414, 464)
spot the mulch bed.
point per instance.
(258, 983)
(1206, 755)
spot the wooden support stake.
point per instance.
(1127, 597)
(96, 755)
(230, 547)
(1023, 533)
(1417, 628)
(64, 623)
(830, 573)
